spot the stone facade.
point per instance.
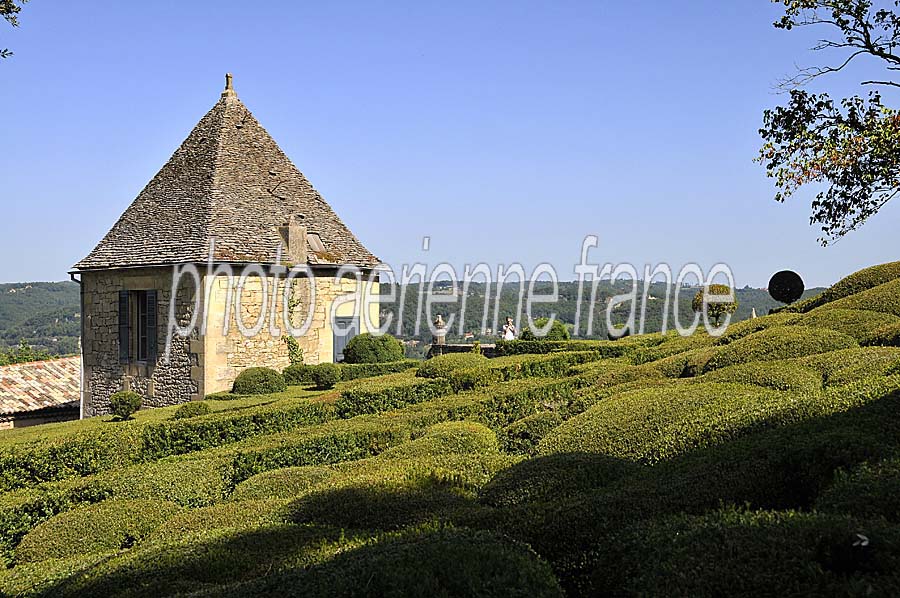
(212, 355)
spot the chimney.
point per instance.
(293, 236)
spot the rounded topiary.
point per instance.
(325, 375)
(715, 309)
(443, 365)
(786, 286)
(193, 409)
(368, 348)
(124, 404)
(297, 374)
(557, 332)
(259, 381)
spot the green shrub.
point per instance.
(654, 424)
(108, 526)
(886, 336)
(867, 491)
(857, 282)
(297, 374)
(776, 375)
(672, 345)
(295, 352)
(281, 483)
(192, 409)
(325, 375)
(558, 331)
(368, 348)
(553, 478)
(606, 349)
(755, 554)
(842, 367)
(355, 371)
(388, 392)
(522, 436)
(443, 365)
(449, 438)
(124, 404)
(860, 324)
(443, 562)
(259, 381)
(684, 365)
(783, 342)
(739, 330)
(884, 298)
(503, 369)
(243, 515)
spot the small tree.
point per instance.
(715, 309)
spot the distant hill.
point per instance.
(46, 315)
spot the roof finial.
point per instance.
(229, 88)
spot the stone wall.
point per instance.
(162, 382)
(225, 352)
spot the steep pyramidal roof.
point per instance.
(229, 184)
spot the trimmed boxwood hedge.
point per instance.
(739, 330)
(230, 515)
(886, 336)
(868, 491)
(884, 298)
(389, 392)
(785, 376)
(858, 323)
(607, 349)
(283, 483)
(108, 526)
(842, 367)
(503, 369)
(258, 381)
(369, 348)
(655, 424)
(522, 436)
(857, 282)
(192, 409)
(783, 342)
(443, 365)
(442, 562)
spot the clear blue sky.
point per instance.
(505, 131)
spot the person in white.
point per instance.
(509, 330)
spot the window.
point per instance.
(315, 241)
(137, 326)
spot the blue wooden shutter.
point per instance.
(124, 341)
(151, 326)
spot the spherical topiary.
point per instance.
(368, 348)
(557, 332)
(193, 409)
(786, 286)
(715, 309)
(325, 375)
(124, 404)
(259, 381)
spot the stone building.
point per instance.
(39, 392)
(226, 219)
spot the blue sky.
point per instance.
(504, 131)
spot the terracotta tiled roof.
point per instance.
(39, 384)
(231, 183)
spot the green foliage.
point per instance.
(281, 483)
(867, 491)
(739, 330)
(295, 353)
(301, 375)
(884, 298)
(715, 310)
(24, 353)
(655, 424)
(325, 375)
(842, 367)
(886, 336)
(557, 332)
(522, 436)
(192, 409)
(259, 381)
(503, 369)
(607, 349)
(860, 324)
(388, 392)
(108, 526)
(124, 404)
(368, 348)
(860, 281)
(784, 376)
(783, 342)
(443, 365)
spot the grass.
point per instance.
(745, 464)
